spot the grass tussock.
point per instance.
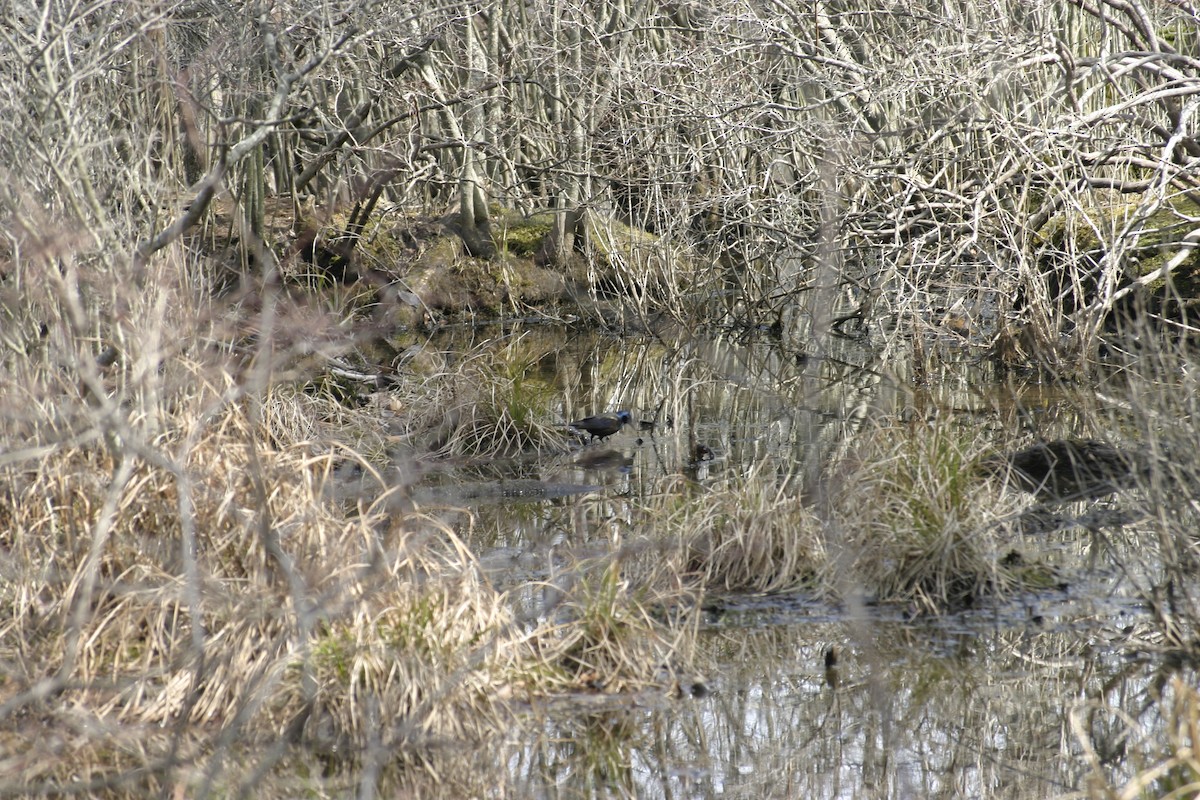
(751, 534)
(611, 634)
(908, 518)
(920, 524)
(425, 641)
(494, 401)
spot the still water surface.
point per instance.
(1017, 700)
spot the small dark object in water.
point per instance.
(1067, 469)
(1012, 559)
(604, 425)
(831, 668)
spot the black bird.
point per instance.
(604, 425)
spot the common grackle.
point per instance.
(601, 426)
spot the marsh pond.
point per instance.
(990, 640)
(600, 399)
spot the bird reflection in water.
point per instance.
(605, 459)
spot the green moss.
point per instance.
(517, 235)
(522, 237)
(1087, 233)
(380, 242)
(1181, 35)
(416, 629)
(335, 653)
(1073, 232)
(1161, 234)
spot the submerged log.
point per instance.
(1067, 469)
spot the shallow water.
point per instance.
(989, 702)
(982, 704)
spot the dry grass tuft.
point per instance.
(609, 632)
(424, 653)
(918, 524)
(751, 534)
(909, 519)
(494, 401)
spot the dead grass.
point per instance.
(750, 534)
(916, 523)
(182, 588)
(905, 518)
(428, 654)
(177, 559)
(493, 401)
(611, 633)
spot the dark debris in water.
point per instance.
(1061, 608)
(499, 491)
(765, 610)
(1068, 469)
(1042, 520)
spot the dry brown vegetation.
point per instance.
(212, 577)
